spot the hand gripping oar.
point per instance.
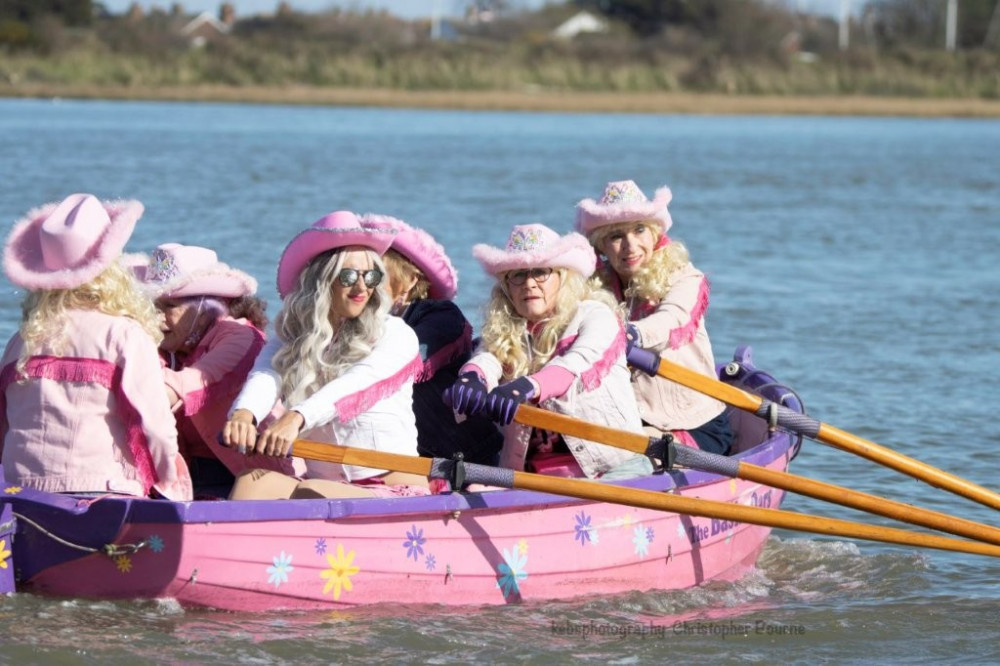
(733, 467)
(810, 427)
(603, 492)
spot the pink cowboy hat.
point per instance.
(338, 229)
(67, 244)
(176, 271)
(537, 246)
(623, 201)
(419, 247)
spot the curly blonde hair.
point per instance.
(44, 313)
(654, 279)
(315, 352)
(401, 270)
(505, 332)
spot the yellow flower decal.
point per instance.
(627, 520)
(124, 563)
(523, 546)
(4, 554)
(338, 576)
(12, 490)
(732, 486)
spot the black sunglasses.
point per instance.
(518, 278)
(348, 277)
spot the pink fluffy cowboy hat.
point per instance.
(623, 201)
(338, 229)
(537, 246)
(67, 244)
(177, 271)
(419, 247)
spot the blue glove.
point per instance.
(632, 337)
(467, 395)
(503, 401)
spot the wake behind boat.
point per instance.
(456, 549)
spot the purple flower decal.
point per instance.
(649, 534)
(414, 543)
(431, 562)
(321, 546)
(582, 528)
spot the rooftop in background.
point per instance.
(403, 8)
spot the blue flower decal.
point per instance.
(155, 543)
(640, 539)
(278, 572)
(512, 570)
(582, 528)
(414, 543)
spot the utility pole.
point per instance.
(845, 20)
(949, 26)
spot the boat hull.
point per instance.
(455, 549)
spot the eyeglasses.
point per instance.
(518, 278)
(348, 277)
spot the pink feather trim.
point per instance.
(103, 373)
(682, 335)
(351, 405)
(446, 355)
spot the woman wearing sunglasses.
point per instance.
(665, 297)
(551, 339)
(342, 368)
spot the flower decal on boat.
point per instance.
(278, 572)
(512, 570)
(649, 534)
(414, 543)
(583, 530)
(338, 576)
(124, 563)
(12, 490)
(320, 546)
(4, 554)
(522, 546)
(155, 543)
(430, 563)
(640, 539)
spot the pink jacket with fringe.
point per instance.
(592, 348)
(207, 384)
(675, 327)
(90, 417)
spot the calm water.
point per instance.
(858, 257)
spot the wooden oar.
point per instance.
(810, 427)
(733, 467)
(602, 492)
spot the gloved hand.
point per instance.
(467, 395)
(502, 402)
(632, 337)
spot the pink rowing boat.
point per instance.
(457, 549)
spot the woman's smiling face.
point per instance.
(628, 248)
(348, 302)
(535, 297)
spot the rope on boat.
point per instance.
(110, 549)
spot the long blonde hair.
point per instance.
(44, 313)
(315, 352)
(654, 279)
(505, 333)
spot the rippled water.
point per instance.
(856, 255)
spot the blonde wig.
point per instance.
(44, 313)
(401, 271)
(315, 352)
(654, 279)
(505, 333)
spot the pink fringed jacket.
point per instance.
(675, 327)
(592, 348)
(91, 416)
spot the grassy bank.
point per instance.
(529, 100)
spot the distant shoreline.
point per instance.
(540, 101)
